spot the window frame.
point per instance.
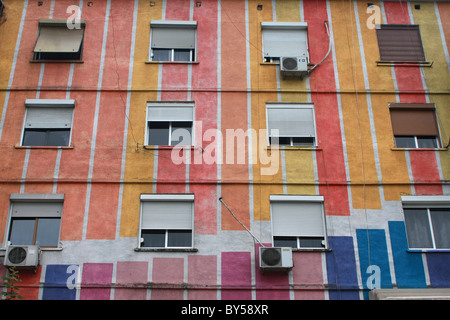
(411, 108)
(166, 198)
(35, 198)
(175, 25)
(59, 23)
(429, 203)
(48, 103)
(399, 27)
(281, 105)
(301, 199)
(300, 26)
(169, 104)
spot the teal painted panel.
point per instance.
(409, 270)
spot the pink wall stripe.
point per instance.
(167, 275)
(132, 274)
(236, 276)
(96, 281)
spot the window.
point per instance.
(427, 220)
(48, 122)
(57, 42)
(166, 221)
(400, 43)
(414, 125)
(284, 39)
(35, 219)
(170, 124)
(173, 40)
(298, 221)
(291, 124)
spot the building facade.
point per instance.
(150, 148)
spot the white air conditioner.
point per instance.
(275, 258)
(22, 256)
(294, 66)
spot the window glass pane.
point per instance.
(47, 233)
(180, 238)
(181, 133)
(440, 218)
(280, 141)
(418, 228)
(405, 142)
(158, 133)
(285, 242)
(34, 137)
(303, 141)
(311, 242)
(427, 142)
(182, 55)
(153, 238)
(58, 137)
(22, 231)
(161, 54)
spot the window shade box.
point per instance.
(400, 43)
(173, 34)
(284, 39)
(55, 36)
(414, 119)
(291, 120)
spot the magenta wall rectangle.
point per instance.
(96, 281)
(236, 276)
(133, 275)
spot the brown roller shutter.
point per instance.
(414, 119)
(400, 43)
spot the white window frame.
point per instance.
(48, 103)
(426, 202)
(165, 198)
(301, 199)
(283, 26)
(168, 104)
(273, 105)
(175, 25)
(34, 198)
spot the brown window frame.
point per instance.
(393, 47)
(415, 120)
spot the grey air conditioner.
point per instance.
(275, 259)
(22, 256)
(294, 66)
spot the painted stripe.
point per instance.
(94, 130)
(127, 119)
(96, 281)
(236, 277)
(373, 260)
(57, 279)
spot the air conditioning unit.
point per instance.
(275, 258)
(22, 256)
(294, 66)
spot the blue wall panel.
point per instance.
(374, 261)
(60, 282)
(439, 269)
(341, 269)
(409, 271)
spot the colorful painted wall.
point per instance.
(107, 167)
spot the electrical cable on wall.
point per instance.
(221, 200)
(329, 49)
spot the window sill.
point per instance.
(311, 250)
(42, 147)
(404, 63)
(166, 249)
(295, 148)
(156, 147)
(56, 61)
(428, 250)
(419, 149)
(171, 62)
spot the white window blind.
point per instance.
(291, 121)
(175, 35)
(284, 39)
(167, 214)
(49, 114)
(170, 112)
(297, 218)
(54, 36)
